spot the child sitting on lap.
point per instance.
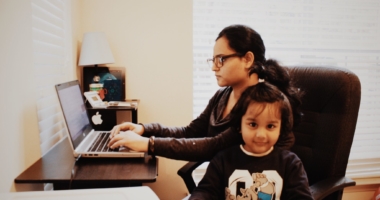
(257, 169)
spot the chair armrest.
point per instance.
(186, 173)
(328, 186)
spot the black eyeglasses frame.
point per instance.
(220, 59)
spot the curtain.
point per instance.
(51, 24)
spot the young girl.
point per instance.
(257, 169)
(238, 62)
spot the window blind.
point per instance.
(52, 64)
(314, 32)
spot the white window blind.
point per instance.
(344, 33)
(52, 63)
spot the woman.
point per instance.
(238, 62)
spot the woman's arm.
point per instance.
(189, 149)
(164, 136)
(132, 138)
(196, 149)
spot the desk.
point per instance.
(55, 167)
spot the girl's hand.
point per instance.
(131, 140)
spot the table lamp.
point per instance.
(95, 50)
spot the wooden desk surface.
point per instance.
(55, 167)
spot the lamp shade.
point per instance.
(95, 49)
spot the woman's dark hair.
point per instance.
(264, 93)
(243, 39)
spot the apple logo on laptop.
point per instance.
(97, 119)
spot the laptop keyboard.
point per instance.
(101, 142)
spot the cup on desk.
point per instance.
(96, 86)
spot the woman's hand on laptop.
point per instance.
(131, 140)
(137, 128)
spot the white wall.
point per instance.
(18, 118)
(20, 146)
(153, 41)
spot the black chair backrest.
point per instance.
(330, 106)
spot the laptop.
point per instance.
(85, 141)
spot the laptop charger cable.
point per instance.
(73, 170)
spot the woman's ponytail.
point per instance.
(279, 76)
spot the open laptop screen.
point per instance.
(74, 110)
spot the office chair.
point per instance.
(330, 107)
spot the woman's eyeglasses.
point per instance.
(219, 60)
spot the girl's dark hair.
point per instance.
(243, 39)
(264, 93)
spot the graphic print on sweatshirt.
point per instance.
(242, 185)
